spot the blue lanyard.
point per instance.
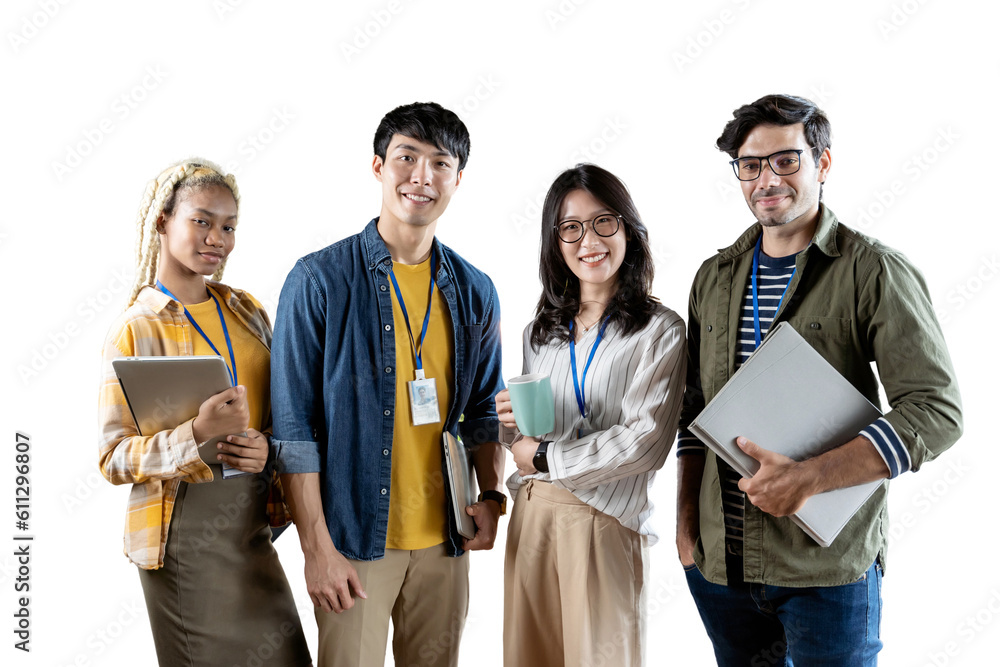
(225, 330)
(419, 346)
(579, 386)
(753, 289)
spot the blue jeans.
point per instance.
(755, 625)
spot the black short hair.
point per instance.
(428, 122)
(776, 110)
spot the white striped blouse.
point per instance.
(633, 392)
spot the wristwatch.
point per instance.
(539, 461)
(496, 497)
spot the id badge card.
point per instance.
(423, 401)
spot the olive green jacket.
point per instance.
(856, 301)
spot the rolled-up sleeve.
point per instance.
(297, 373)
(902, 330)
(126, 457)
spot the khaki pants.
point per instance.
(574, 584)
(426, 594)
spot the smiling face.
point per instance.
(791, 200)
(594, 259)
(198, 236)
(418, 180)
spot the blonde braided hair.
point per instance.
(158, 200)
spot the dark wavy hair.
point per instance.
(777, 110)
(632, 305)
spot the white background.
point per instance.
(99, 96)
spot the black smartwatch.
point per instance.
(496, 497)
(540, 462)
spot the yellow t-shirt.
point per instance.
(253, 360)
(417, 503)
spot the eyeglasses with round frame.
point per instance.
(782, 163)
(605, 225)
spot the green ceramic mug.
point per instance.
(532, 403)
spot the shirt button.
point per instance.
(388, 369)
(814, 325)
(385, 452)
(388, 262)
(383, 287)
(388, 327)
(383, 492)
(709, 327)
(387, 412)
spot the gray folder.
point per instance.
(787, 398)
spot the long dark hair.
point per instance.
(631, 305)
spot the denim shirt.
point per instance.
(333, 378)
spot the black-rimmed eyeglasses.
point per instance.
(783, 163)
(571, 231)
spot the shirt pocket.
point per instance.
(472, 338)
(830, 336)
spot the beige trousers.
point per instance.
(425, 592)
(574, 584)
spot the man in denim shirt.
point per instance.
(765, 590)
(382, 341)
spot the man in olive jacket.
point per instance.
(765, 590)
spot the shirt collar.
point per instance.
(157, 301)
(378, 253)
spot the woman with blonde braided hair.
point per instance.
(215, 591)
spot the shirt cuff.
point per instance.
(889, 446)
(187, 454)
(688, 444)
(296, 456)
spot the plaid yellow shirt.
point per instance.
(155, 465)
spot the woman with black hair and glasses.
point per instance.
(577, 545)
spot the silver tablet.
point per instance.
(163, 392)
